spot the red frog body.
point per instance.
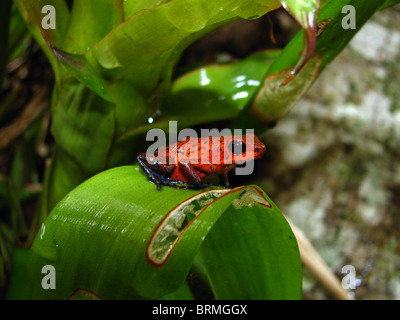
(187, 163)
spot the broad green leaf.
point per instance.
(218, 92)
(91, 21)
(255, 238)
(116, 236)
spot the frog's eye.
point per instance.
(237, 147)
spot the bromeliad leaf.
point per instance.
(80, 67)
(283, 98)
(252, 233)
(273, 101)
(116, 236)
(164, 31)
(90, 21)
(212, 96)
(306, 13)
(31, 11)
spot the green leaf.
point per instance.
(115, 236)
(218, 92)
(90, 21)
(388, 3)
(211, 93)
(253, 237)
(306, 13)
(18, 35)
(19, 288)
(183, 293)
(31, 11)
(83, 125)
(81, 69)
(273, 101)
(133, 6)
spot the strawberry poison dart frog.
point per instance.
(187, 163)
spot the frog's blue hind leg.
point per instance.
(153, 176)
(159, 179)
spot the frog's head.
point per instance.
(245, 148)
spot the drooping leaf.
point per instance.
(116, 236)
